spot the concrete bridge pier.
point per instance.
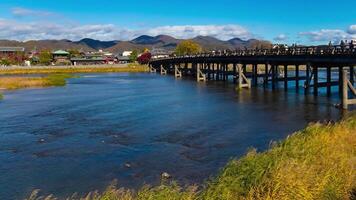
(243, 81)
(152, 69)
(346, 85)
(177, 71)
(163, 70)
(200, 75)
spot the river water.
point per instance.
(133, 127)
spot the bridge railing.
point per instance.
(342, 49)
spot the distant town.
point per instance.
(18, 56)
(94, 52)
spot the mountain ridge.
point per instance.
(166, 42)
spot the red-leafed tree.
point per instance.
(144, 58)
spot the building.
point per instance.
(13, 55)
(160, 53)
(61, 57)
(95, 58)
(10, 51)
(123, 59)
(126, 53)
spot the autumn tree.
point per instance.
(144, 58)
(188, 47)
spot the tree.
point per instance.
(45, 57)
(74, 53)
(144, 58)
(133, 56)
(188, 47)
(5, 62)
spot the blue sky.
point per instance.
(283, 21)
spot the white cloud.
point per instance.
(16, 30)
(223, 32)
(334, 35)
(24, 12)
(352, 29)
(281, 37)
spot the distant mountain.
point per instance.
(96, 44)
(45, 45)
(149, 40)
(126, 46)
(166, 42)
(211, 43)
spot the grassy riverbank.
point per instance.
(315, 163)
(13, 83)
(73, 69)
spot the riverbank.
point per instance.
(13, 83)
(315, 163)
(73, 69)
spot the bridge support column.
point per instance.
(274, 72)
(200, 75)
(225, 72)
(163, 71)
(315, 81)
(152, 69)
(177, 72)
(265, 81)
(352, 74)
(209, 71)
(234, 72)
(254, 74)
(340, 80)
(217, 73)
(328, 81)
(285, 77)
(307, 80)
(243, 81)
(297, 77)
(346, 84)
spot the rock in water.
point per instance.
(165, 175)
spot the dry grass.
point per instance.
(316, 163)
(12, 83)
(68, 70)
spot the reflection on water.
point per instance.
(78, 138)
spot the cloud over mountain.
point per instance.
(223, 32)
(334, 35)
(12, 29)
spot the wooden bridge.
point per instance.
(317, 66)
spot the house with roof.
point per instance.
(61, 57)
(10, 51)
(12, 55)
(160, 53)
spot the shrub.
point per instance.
(144, 58)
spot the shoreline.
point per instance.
(73, 69)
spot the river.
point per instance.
(133, 127)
